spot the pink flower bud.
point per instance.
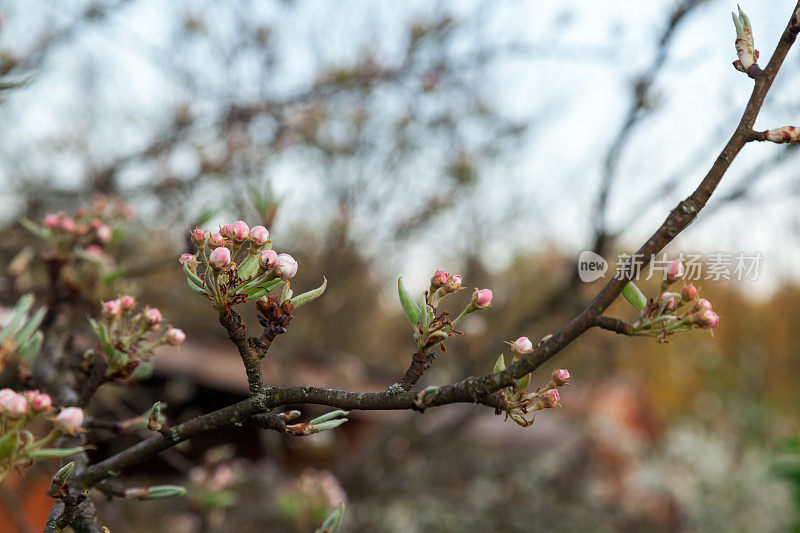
(560, 376)
(39, 401)
(81, 229)
(52, 221)
(216, 240)
(669, 300)
(550, 398)
(707, 319)
(674, 271)
(111, 308)
(152, 316)
(96, 223)
(82, 212)
(198, 236)
(689, 293)
(104, 234)
(175, 336)
(220, 258)
(259, 235)
(226, 230)
(522, 346)
(5, 395)
(286, 266)
(16, 406)
(439, 279)
(185, 257)
(454, 282)
(70, 420)
(268, 259)
(482, 298)
(67, 225)
(95, 251)
(701, 304)
(240, 230)
(127, 302)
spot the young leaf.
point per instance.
(410, 307)
(8, 444)
(49, 453)
(332, 522)
(310, 295)
(634, 296)
(500, 364)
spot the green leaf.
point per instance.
(27, 331)
(634, 296)
(29, 350)
(155, 493)
(332, 522)
(8, 444)
(425, 317)
(34, 228)
(63, 473)
(249, 267)
(20, 315)
(328, 416)
(195, 288)
(500, 364)
(310, 295)
(49, 453)
(410, 307)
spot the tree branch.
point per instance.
(472, 389)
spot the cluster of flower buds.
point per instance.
(18, 446)
(239, 265)
(89, 229)
(672, 312)
(745, 46)
(430, 326)
(78, 243)
(128, 337)
(518, 401)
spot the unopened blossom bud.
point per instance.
(220, 258)
(152, 316)
(560, 376)
(189, 260)
(453, 283)
(482, 298)
(82, 212)
(52, 221)
(439, 279)
(286, 266)
(95, 251)
(522, 346)
(268, 259)
(70, 420)
(39, 401)
(127, 302)
(198, 236)
(81, 229)
(96, 223)
(259, 235)
(701, 305)
(669, 300)
(175, 336)
(239, 230)
(111, 308)
(216, 240)
(786, 134)
(5, 395)
(67, 225)
(226, 230)
(707, 319)
(688, 293)
(549, 398)
(104, 234)
(674, 271)
(16, 406)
